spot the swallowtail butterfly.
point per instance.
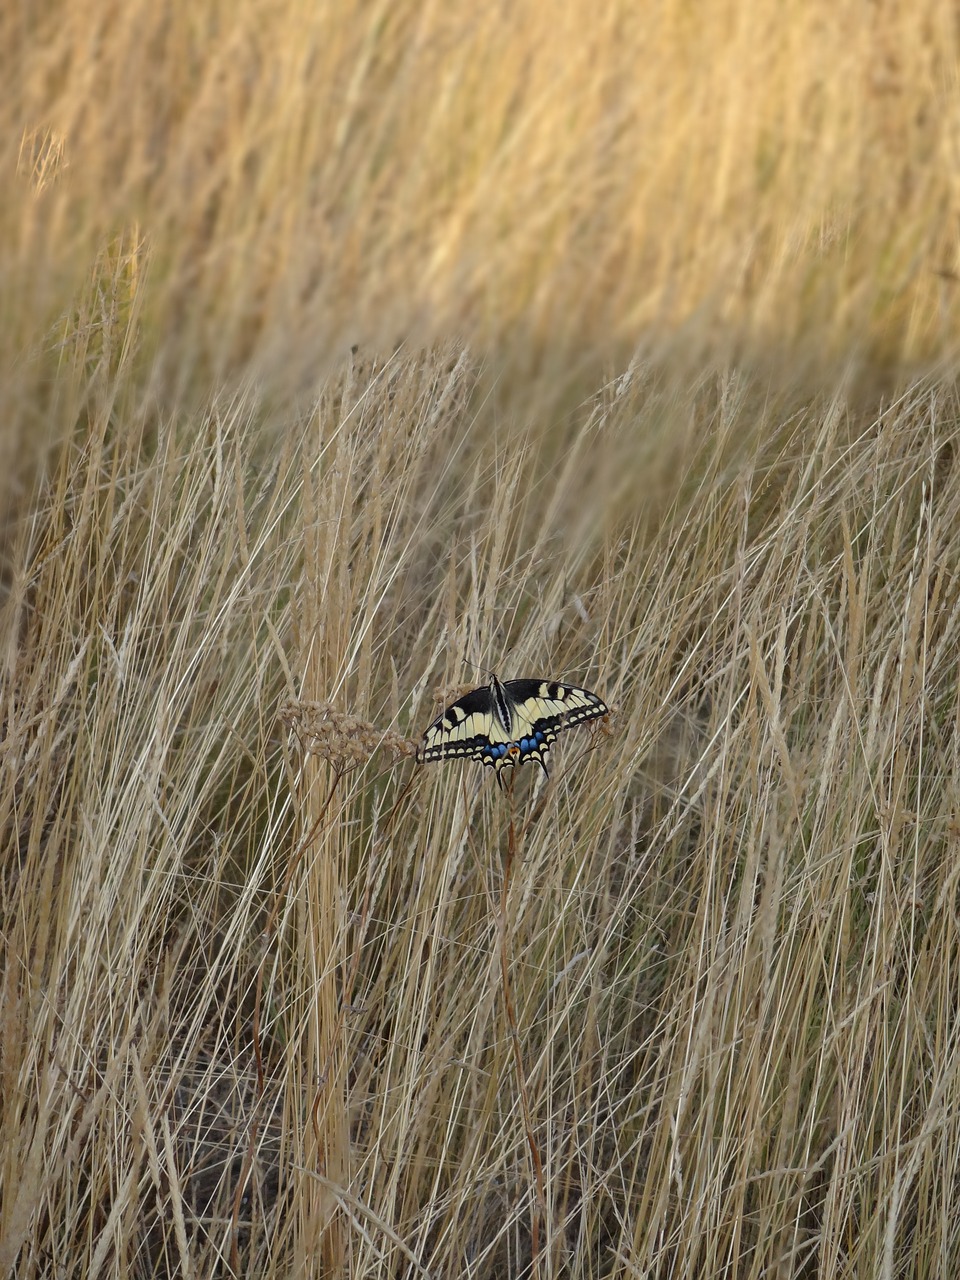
(506, 723)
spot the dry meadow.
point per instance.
(350, 352)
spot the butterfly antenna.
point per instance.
(483, 670)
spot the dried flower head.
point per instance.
(609, 724)
(342, 739)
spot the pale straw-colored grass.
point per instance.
(264, 1010)
(253, 1009)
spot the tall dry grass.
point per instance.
(254, 1019)
(266, 1006)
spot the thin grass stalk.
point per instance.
(540, 1214)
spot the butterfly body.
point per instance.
(506, 723)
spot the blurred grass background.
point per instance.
(259, 186)
(347, 346)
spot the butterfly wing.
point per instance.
(541, 710)
(468, 727)
(538, 710)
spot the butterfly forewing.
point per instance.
(537, 710)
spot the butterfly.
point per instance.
(506, 723)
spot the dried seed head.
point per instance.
(340, 738)
(608, 725)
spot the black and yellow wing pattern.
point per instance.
(506, 723)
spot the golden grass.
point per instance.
(268, 1004)
(747, 179)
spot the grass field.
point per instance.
(348, 354)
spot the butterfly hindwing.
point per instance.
(507, 723)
